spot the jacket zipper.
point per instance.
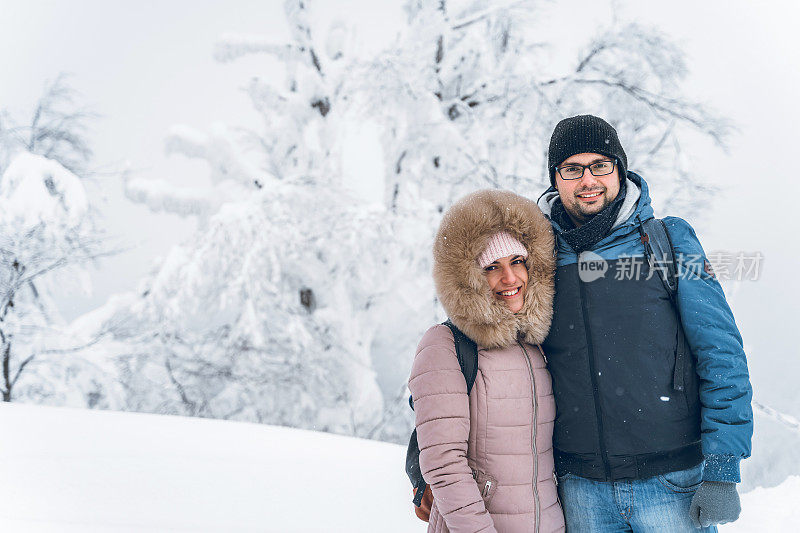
(592, 377)
(533, 437)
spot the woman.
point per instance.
(488, 456)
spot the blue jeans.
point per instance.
(656, 504)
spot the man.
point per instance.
(645, 439)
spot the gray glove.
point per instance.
(715, 502)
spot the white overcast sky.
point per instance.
(146, 65)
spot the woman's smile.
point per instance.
(510, 292)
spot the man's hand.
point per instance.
(715, 502)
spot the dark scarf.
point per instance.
(587, 235)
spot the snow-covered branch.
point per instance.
(231, 47)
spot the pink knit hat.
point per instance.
(500, 245)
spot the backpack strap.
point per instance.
(413, 470)
(467, 355)
(661, 256)
(660, 253)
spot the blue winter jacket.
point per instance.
(611, 352)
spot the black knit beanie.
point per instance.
(584, 134)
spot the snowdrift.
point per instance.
(70, 470)
(74, 470)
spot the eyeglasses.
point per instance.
(574, 171)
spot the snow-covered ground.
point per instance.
(74, 470)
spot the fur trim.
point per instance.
(461, 284)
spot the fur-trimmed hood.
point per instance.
(461, 284)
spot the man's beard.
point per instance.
(584, 235)
(576, 209)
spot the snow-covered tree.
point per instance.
(469, 95)
(258, 316)
(57, 129)
(467, 98)
(298, 297)
(47, 234)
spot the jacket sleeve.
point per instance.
(441, 406)
(726, 415)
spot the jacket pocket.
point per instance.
(487, 484)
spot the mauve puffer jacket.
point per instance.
(477, 452)
(488, 457)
